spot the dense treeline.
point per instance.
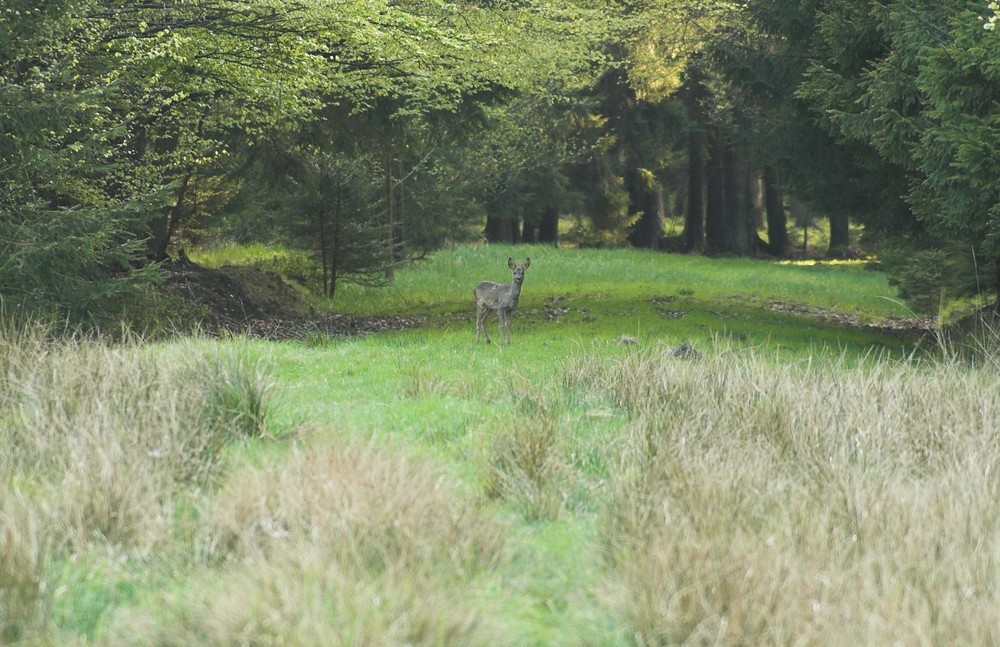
(371, 132)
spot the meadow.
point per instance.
(810, 476)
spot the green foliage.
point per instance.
(956, 194)
(144, 117)
(930, 276)
(332, 208)
(71, 267)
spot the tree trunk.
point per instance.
(162, 230)
(644, 200)
(799, 212)
(324, 250)
(777, 223)
(399, 232)
(390, 212)
(529, 228)
(839, 236)
(738, 217)
(758, 216)
(802, 218)
(694, 212)
(715, 192)
(548, 228)
(501, 229)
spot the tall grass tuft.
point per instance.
(816, 503)
(22, 570)
(99, 443)
(340, 545)
(525, 466)
(238, 395)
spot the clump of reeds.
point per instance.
(524, 466)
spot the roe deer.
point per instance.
(500, 298)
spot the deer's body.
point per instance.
(500, 298)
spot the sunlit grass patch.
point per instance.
(243, 254)
(446, 281)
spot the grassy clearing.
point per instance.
(582, 274)
(798, 482)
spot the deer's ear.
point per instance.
(510, 263)
(527, 262)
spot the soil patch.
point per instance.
(911, 327)
(261, 304)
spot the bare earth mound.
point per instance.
(259, 303)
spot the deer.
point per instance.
(500, 298)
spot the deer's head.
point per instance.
(518, 270)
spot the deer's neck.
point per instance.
(513, 294)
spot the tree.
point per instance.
(762, 59)
(777, 223)
(66, 206)
(921, 93)
(336, 210)
(954, 190)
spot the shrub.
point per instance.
(926, 278)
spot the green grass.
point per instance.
(575, 299)
(445, 283)
(417, 488)
(249, 254)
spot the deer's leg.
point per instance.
(479, 320)
(482, 324)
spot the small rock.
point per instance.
(685, 351)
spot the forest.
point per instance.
(371, 133)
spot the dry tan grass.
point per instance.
(768, 504)
(99, 444)
(342, 545)
(525, 465)
(743, 502)
(22, 570)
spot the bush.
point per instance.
(926, 278)
(68, 266)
